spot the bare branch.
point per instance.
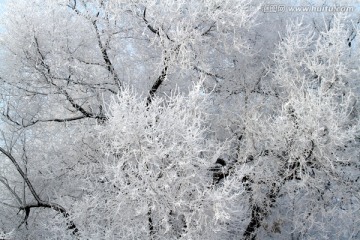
(214, 75)
(151, 28)
(39, 202)
(6, 184)
(21, 172)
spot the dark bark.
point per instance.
(157, 84)
(70, 225)
(152, 29)
(257, 215)
(151, 224)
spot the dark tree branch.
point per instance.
(75, 105)
(162, 76)
(150, 223)
(156, 85)
(260, 212)
(63, 119)
(23, 175)
(94, 86)
(208, 73)
(257, 215)
(85, 114)
(98, 117)
(39, 202)
(42, 57)
(6, 184)
(109, 65)
(208, 30)
(43, 204)
(152, 29)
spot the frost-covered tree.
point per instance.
(156, 176)
(64, 61)
(103, 135)
(304, 148)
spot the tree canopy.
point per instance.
(179, 119)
